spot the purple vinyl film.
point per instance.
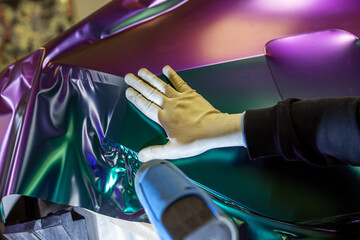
(313, 65)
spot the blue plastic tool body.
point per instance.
(158, 184)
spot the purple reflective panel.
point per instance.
(320, 64)
(203, 32)
(15, 86)
(105, 23)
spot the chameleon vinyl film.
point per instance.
(62, 124)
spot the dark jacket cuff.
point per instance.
(261, 133)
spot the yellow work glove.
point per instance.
(191, 123)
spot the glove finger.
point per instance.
(156, 82)
(145, 106)
(147, 91)
(179, 84)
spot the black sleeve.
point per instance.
(322, 132)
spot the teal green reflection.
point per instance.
(56, 158)
(123, 170)
(2, 213)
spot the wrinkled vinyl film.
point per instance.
(118, 180)
(61, 153)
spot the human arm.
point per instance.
(323, 132)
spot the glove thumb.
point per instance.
(173, 150)
(153, 152)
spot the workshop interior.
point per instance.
(69, 138)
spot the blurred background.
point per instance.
(26, 25)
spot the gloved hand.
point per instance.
(191, 123)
